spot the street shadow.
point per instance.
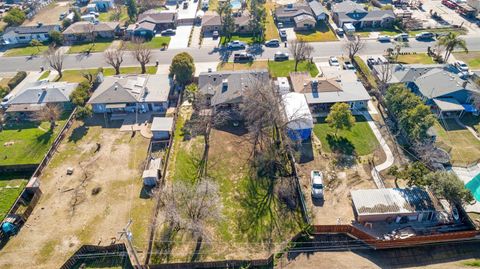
(78, 133)
(340, 145)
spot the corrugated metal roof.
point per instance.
(391, 201)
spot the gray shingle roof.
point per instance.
(294, 10)
(32, 29)
(347, 7)
(158, 17)
(439, 82)
(393, 201)
(83, 27)
(132, 89)
(235, 83)
(43, 92)
(349, 10)
(317, 8)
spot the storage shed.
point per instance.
(300, 120)
(411, 204)
(283, 85)
(161, 127)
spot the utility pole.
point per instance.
(128, 235)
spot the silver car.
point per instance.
(316, 178)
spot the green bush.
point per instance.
(84, 112)
(4, 91)
(19, 77)
(81, 94)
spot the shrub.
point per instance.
(4, 91)
(80, 95)
(84, 112)
(19, 77)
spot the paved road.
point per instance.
(212, 54)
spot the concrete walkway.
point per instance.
(388, 153)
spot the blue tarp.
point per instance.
(299, 134)
(9, 228)
(469, 108)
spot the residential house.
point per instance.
(319, 11)
(25, 34)
(224, 89)
(144, 30)
(131, 93)
(299, 15)
(323, 92)
(211, 22)
(395, 204)
(83, 31)
(103, 5)
(354, 13)
(162, 19)
(440, 86)
(34, 96)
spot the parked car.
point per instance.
(462, 68)
(333, 61)
(185, 5)
(168, 32)
(383, 38)
(340, 31)
(242, 57)
(403, 37)
(424, 36)
(62, 16)
(316, 178)
(371, 62)
(449, 4)
(280, 56)
(382, 60)
(280, 25)
(215, 35)
(236, 44)
(347, 65)
(283, 34)
(272, 43)
(6, 99)
(96, 14)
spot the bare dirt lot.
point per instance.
(89, 207)
(338, 181)
(49, 14)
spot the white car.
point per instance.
(383, 38)
(236, 44)
(316, 178)
(461, 66)
(347, 65)
(333, 61)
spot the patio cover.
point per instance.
(162, 124)
(448, 104)
(24, 108)
(116, 105)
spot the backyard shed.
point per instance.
(162, 127)
(152, 172)
(283, 85)
(411, 204)
(300, 120)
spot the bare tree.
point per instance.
(352, 47)
(384, 74)
(114, 57)
(50, 112)
(300, 51)
(55, 59)
(191, 207)
(202, 121)
(3, 119)
(142, 53)
(90, 29)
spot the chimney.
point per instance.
(224, 85)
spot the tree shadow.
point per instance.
(340, 144)
(164, 245)
(196, 252)
(45, 137)
(78, 133)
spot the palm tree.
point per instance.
(450, 42)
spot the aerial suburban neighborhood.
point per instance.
(239, 134)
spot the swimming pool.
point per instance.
(474, 186)
(236, 4)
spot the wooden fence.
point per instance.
(92, 253)
(218, 264)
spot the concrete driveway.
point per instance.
(291, 35)
(209, 41)
(180, 39)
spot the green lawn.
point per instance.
(248, 39)
(360, 140)
(26, 51)
(283, 69)
(99, 46)
(321, 33)
(30, 141)
(419, 58)
(111, 15)
(156, 43)
(44, 75)
(472, 58)
(230, 66)
(76, 75)
(395, 31)
(463, 147)
(15, 183)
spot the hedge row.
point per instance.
(19, 77)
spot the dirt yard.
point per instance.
(338, 181)
(49, 15)
(89, 207)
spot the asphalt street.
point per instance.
(212, 54)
